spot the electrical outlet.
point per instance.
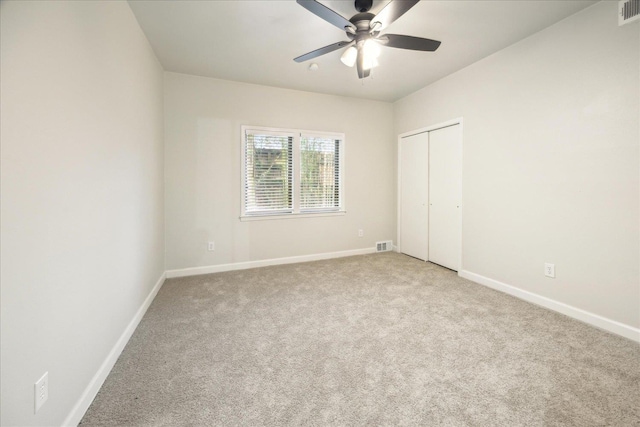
(549, 270)
(360, 233)
(41, 392)
(211, 247)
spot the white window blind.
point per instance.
(289, 172)
(268, 172)
(319, 173)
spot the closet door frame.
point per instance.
(453, 122)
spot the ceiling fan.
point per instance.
(363, 31)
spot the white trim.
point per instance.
(81, 407)
(448, 123)
(399, 198)
(292, 215)
(592, 319)
(194, 271)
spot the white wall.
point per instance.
(203, 171)
(82, 195)
(551, 161)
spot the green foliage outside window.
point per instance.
(268, 183)
(319, 177)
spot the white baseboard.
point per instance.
(576, 313)
(80, 408)
(194, 271)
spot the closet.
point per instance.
(430, 181)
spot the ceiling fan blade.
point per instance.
(391, 12)
(409, 42)
(321, 51)
(325, 13)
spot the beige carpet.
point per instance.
(379, 339)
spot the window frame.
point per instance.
(296, 212)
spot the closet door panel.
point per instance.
(414, 196)
(445, 173)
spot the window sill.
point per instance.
(290, 216)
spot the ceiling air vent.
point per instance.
(628, 11)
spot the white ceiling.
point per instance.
(256, 41)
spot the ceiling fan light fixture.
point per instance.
(371, 49)
(363, 31)
(369, 63)
(349, 56)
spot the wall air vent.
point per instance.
(385, 246)
(628, 11)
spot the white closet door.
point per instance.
(414, 196)
(445, 171)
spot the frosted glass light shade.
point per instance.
(371, 49)
(349, 56)
(369, 63)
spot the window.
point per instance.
(291, 173)
(268, 173)
(319, 173)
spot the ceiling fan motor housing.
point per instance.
(361, 22)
